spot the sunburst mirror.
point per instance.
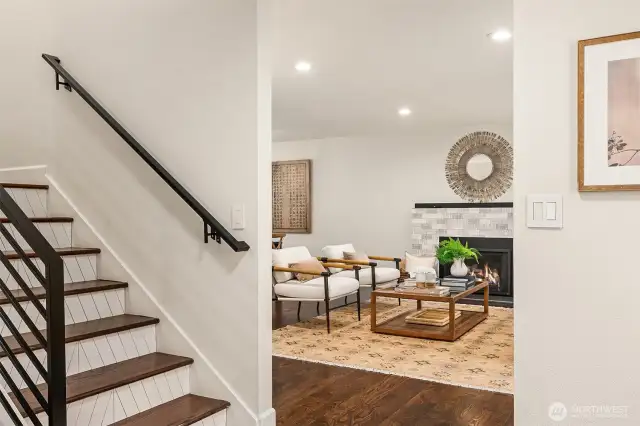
(479, 167)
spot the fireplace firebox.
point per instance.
(495, 263)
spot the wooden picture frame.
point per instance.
(291, 188)
(602, 61)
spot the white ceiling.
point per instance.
(371, 57)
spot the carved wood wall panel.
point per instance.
(292, 196)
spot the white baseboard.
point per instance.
(14, 169)
(258, 420)
(268, 418)
(25, 174)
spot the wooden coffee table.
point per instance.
(450, 332)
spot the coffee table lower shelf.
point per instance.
(399, 327)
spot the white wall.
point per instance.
(186, 78)
(363, 189)
(577, 324)
(26, 84)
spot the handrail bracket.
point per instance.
(63, 83)
(210, 232)
(59, 82)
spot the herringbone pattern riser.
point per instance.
(32, 201)
(76, 269)
(126, 401)
(57, 234)
(89, 354)
(78, 308)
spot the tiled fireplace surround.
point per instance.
(431, 221)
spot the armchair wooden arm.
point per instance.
(397, 260)
(341, 266)
(300, 271)
(385, 259)
(348, 262)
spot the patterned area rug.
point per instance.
(482, 358)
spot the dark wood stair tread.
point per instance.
(98, 380)
(182, 411)
(55, 219)
(70, 289)
(24, 185)
(86, 330)
(65, 251)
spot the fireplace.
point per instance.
(495, 263)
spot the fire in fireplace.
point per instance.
(487, 269)
(495, 263)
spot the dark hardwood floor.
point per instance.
(306, 393)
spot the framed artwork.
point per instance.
(609, 110)
(291, 196)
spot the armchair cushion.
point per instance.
(314, 289)
(337, 252)
(285, 257)
(312, 264)
(383, 276)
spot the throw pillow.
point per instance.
(335, 252)
(413, 262)
(312, 265)
(349, 255)
(285, 257)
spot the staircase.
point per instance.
(115, 376)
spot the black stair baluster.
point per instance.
(53, 282)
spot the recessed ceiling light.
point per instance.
(500, 35)
(404, 112)
(303, 66)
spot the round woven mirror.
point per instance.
(479, 166)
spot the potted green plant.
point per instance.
(454, 252)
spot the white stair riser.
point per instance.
(218, 419)
(32, 201)
(126, 401)
(78, 308)
(89, 354)
(58, 234)
(76, 269)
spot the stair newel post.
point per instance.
(56, 359)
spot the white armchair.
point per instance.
(374, 276)
(324, 288)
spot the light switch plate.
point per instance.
(237, 216)
(544, 211)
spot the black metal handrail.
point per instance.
(212, 228)
(54, 404)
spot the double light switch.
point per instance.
(544, 211)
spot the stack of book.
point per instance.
(458, 283)
(410, 286)
(434, 291)
(435, 317)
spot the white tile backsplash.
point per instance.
(429, 224)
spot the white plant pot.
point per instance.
(459, 269)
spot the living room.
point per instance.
(383, 153)
(148, 180)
